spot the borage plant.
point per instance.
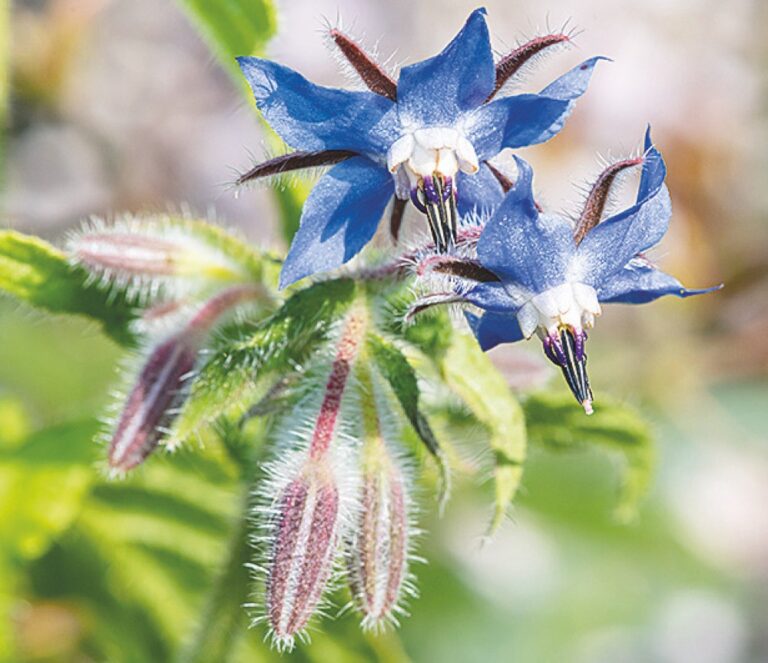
(335, 398)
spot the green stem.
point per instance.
(5, 57)
(223, 619)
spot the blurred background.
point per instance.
(118, 105)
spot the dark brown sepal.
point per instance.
(375, 78)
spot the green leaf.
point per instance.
(243, 27)
(39, 274)
(43, 482)
(555, 421)
(430, 331)
(228, 382)
(5, 52)
(396, 370)
(472, 375)
(233, 27)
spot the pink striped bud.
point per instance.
(378, 550)
(148, 411)
(305, 534)
(149, 255)
(316, 489)
(153, 401)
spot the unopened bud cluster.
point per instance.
(337, 503)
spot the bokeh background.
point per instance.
(118, 105)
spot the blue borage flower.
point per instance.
(541, 273)
(426, 137)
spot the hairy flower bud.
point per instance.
(379, 542)
(377, 560)
(310, 491)
(153, 401)
(148, 411)
(146, 256)
(305, 534)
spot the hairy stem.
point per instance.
(223, 619)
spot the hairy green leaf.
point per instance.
(394, 367)
(39, 274)
(557, 422)
(229, 380)
(471, 374)
(259, 265)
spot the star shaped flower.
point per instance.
(426, 137)
(537, 273)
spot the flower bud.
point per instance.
(377, 560)
(154, 399)
(148, 411)
(146, 256)
(304, 534)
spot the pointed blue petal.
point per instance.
(491, 329)
(314, 118)
(517, 121)
(491, 296)
(480, 193)
(460, 78)
(528, 119)
(339, 218)
(613, 243)
(639, 284)
(523, 247)
(574, 83)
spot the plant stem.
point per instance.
(223, 618)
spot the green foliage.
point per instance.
(259, 265)
(228, 382)
(38, 273)
(470, 373)
(243, 27)
(233, 27)
(42, 482)
(5, 51)
(396, 370)
(556, 422)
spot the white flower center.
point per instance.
(573, 305)
(432, 151)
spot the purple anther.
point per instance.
(553, 348)
(447, 187)
(430, 190)
(415, 200)
(579, 337)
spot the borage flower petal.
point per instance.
(430, 136)
(339, 219)
(554, 275)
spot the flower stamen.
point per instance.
(564, 347)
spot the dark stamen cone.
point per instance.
(566, 349)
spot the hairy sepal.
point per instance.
(162, 257)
